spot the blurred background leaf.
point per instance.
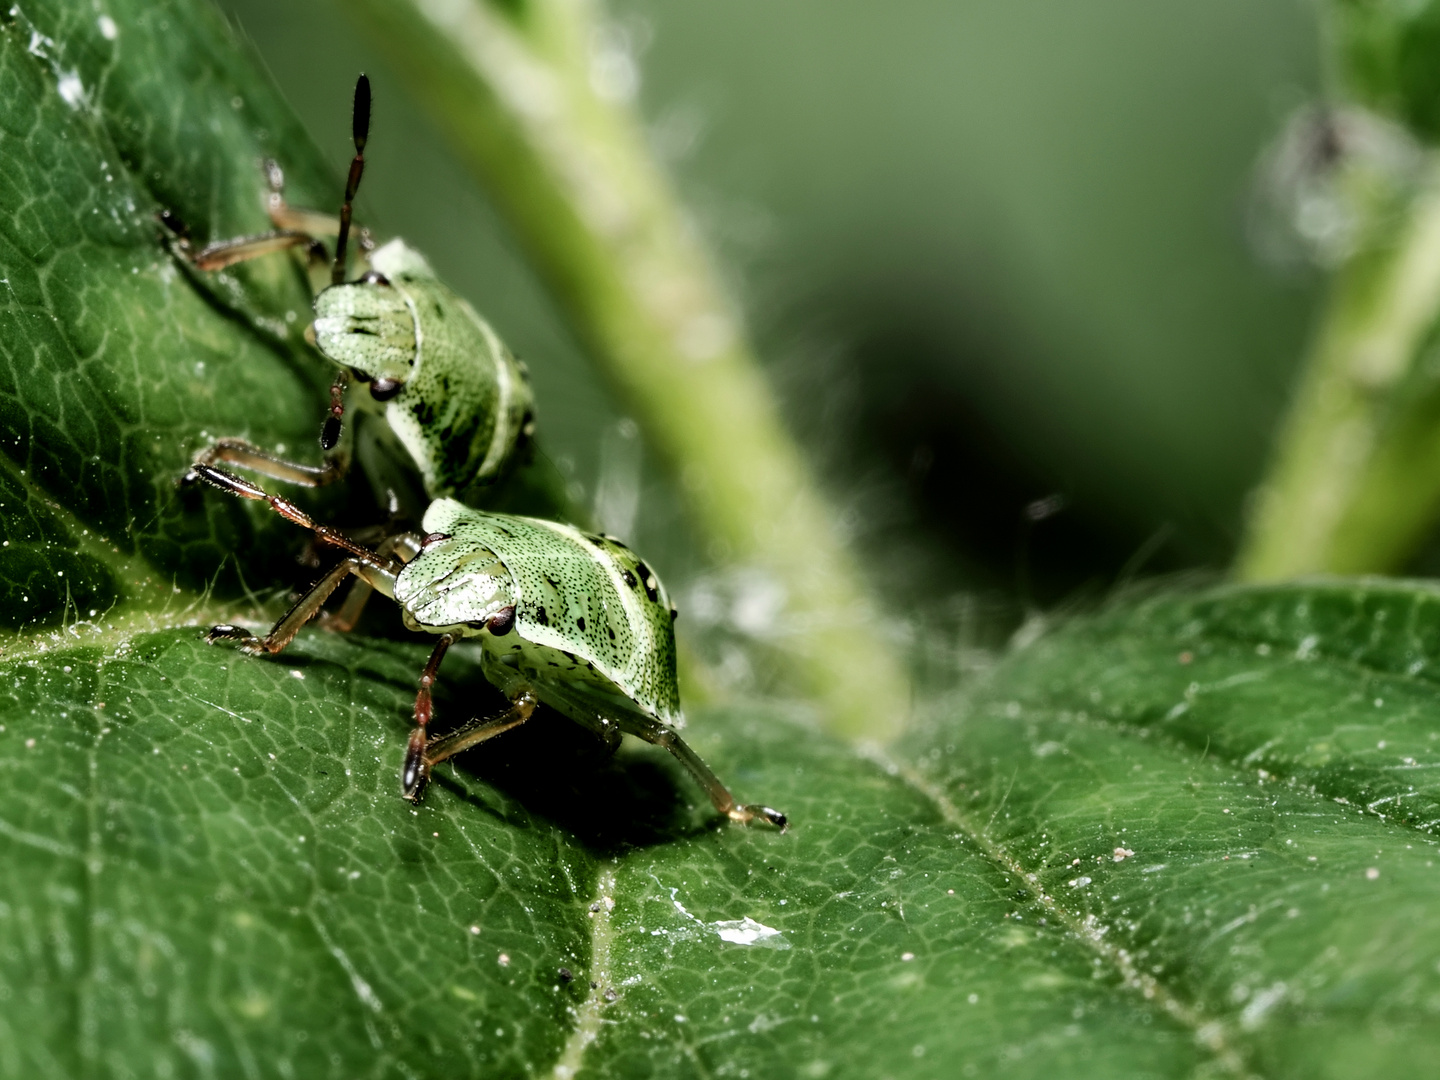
(1354, 484)
(983, 265)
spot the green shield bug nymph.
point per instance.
(566, 618)
(456, 398)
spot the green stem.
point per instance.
(571, 171)
(1355, 482)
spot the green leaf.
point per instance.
(114, 365)
(1266, 755)
(1188, 836)
(1192, 835)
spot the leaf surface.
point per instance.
(1188, 836)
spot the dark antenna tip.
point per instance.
(361, 123)
(360, 127)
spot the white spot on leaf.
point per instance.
(72, 90)
(747, 931)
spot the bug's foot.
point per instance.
(416, 769)
(746, 814)
(247, 641)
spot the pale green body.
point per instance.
(465, 404)
(593, 634)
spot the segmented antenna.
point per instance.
(361, 129)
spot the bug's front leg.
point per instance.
(228, 482)
(415, 771)
(291, 218)
(247, 455)
(462, 738)
(293, 228)
(403, 545)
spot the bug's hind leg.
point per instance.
(462, 738)
(652, 731)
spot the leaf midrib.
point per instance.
(1213, 1034)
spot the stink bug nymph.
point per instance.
(457, 399)
(573, 620)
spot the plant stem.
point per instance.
(570, 169)
(1355, 481)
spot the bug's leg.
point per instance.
(292, 229)
(223, 253)
(344, 620)
(335, 415)
(414, 771)
(248, 456)
(291, 218)
(369, 560)
(290, 623)
(657, 733)
(464, 737)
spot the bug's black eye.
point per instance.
(503, 621)
(385, 389)
(373, 277)
(358, 375)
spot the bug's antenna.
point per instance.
(361, 129)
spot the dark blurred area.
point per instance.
(994, 255)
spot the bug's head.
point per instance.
(457, 585)
(367, 326)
